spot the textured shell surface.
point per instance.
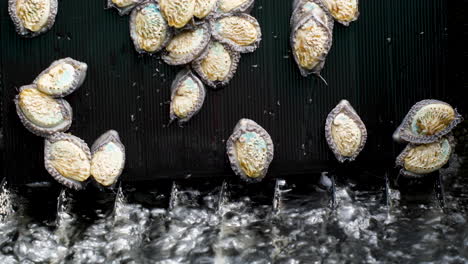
(187, 45)
(427, 121)
(344, 11)
(108, 158)
(240, 31)
(62, 77)
(311, 42)
(235, 6)
(187, 96)
(123, 6)
(217, 65)
(42, 114)
(177, 12)
(418, 160)
(345, 132)
(33, 17)
(315, 8)
(204, 8)
(148, 28)
(250, 150)
(68, 159)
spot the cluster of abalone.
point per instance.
(345, 132)
(207, 35)
(250, 150)
(311, 26)
(32, 17)
(43, 111)
(427, 130)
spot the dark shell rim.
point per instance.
(24, 32)
(247, 125)
(124, 10)
(211, 14)
(134, 36)
(403, 133)
(346, 108)
(67, 112)
(235, 58)
(322, 59)
(346, 23)
(296, 17)
(400, 160)
(193, 55)
(104, 139)
(180, 77)
(244, 8)
(242, 49)
(80, 67)
(72, 184)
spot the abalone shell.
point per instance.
(204, 8)
(62, 77)
(418, 160)
(32, 17)
(177, 12)
(306, 8)
(310, 41)
(68, 159)
(235, 6)
(427, 121)
(345, 132)
(123, 6)
(148, 28)
(250, 150)
(41, 114)
(108, 158)
(344, 11)
(217, 65)
(241, 32)
(187, 96)
(187, 45)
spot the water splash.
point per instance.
(6, 206)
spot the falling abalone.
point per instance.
(418, 160)
(148, 28)
(42, 114)
(250, 150)
(187, 45)
(177, 12)
(344, 11)
(241, 32)
(123, 6)
(67, 159)
(62, 77)
(32, 17)
(427, 121)
(108, 158)
(235, 6)
(217, 65)
(187, 96)
(345, 132)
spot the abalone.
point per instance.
(306, 8)
(217, 65)
(187, 96)
(418, 160)
(241, 32)
(32, 17)
(427, 121)
(68, 159)
(177, 12)
(345, 132)
(344, 11)
(148, 28)
(310, 41)
(42, 114)
(204, 8)
(123, 6)
(62, 77)
(187, 45)
(235, 6)
(108, 158)
(250, 150)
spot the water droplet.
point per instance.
(389, 39)
(254, 65)
(134, 84)
(132, 118)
